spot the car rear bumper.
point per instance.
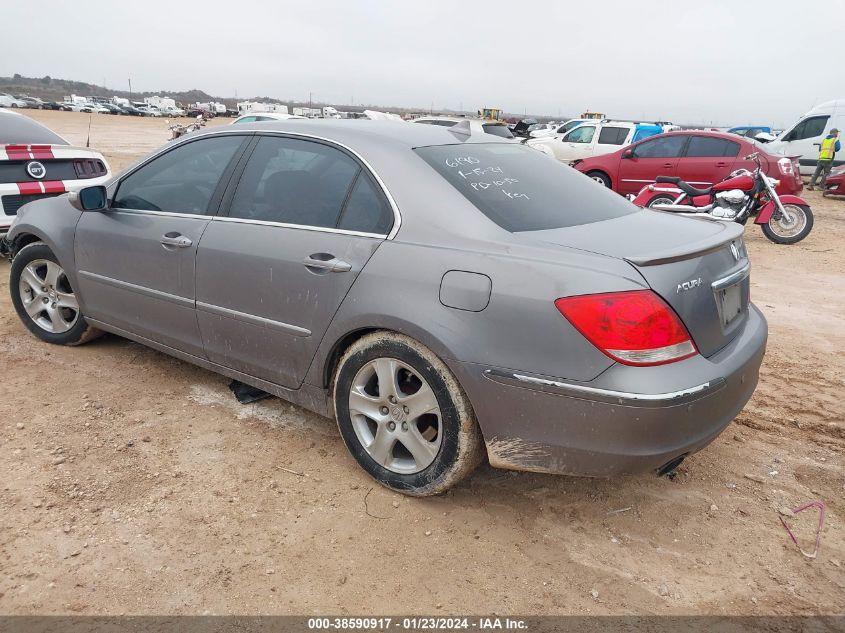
(543, 424)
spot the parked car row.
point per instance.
(23, 101)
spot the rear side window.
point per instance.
(665, 147)
(180, 181)
(305, 183)
(21, 129)
(366, 209)
(521, 189)
(704, 146)
(613, 135)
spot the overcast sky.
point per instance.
(729, 62)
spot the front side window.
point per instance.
(520, 189)
(709, 146)
(181, 181)
(294, 181)
(613, 135)
(808, 128)
(665, 147)
(583, 134)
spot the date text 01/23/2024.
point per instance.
(417, 624)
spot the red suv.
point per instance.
(700, 158)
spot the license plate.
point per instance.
(730, 300)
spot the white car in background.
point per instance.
(593, 138)
(8, 101)
(149, 110)
(560, 130)
(477, 126)
(95, 107)
(35, 162)
(254, 117)
(169, 111)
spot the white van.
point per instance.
(804, 138)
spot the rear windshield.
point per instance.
(522, 189)
(21, 129)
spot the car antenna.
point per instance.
(462, 130)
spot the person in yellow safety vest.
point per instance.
(829, 146)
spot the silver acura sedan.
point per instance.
(442, 294)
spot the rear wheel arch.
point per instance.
(337, 351)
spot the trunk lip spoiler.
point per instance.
(688, 251)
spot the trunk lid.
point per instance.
(698, 266)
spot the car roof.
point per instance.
(16, 128)
(366, 136)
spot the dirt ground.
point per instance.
(133, 483)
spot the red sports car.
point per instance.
(835, 183)
(700, 158)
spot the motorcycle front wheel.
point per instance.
(791, 227)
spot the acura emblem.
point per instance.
(36, 170)
(734, 252)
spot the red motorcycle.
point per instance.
(784, 219)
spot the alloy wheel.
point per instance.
(47, 297)
(395, 416)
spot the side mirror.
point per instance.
(628, 153)
(89, 199)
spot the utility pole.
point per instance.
(130, 88)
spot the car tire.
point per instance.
(55, 324)
(601, 177)
(772, 229)
(418, 453)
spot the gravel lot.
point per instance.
(135, 483)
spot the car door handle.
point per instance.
(326, 262)
(667, 165)
(721, 164)
(175, 239)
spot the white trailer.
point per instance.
(311, 113)
(245, 107)
(162, 103)
(120, 101)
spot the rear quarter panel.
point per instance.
(519, 329)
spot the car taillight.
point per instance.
(89, 168)
(785, 166)
(632, 327)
